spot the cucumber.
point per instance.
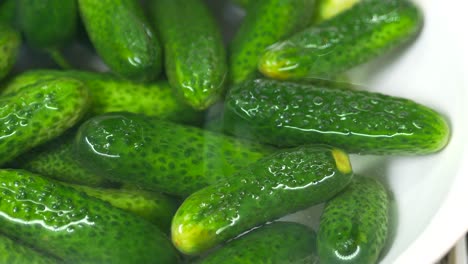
(122, 37)
(74, 227)
(39, 112)
(113, 94)
(291, 114)
(156, 208)
(10, 42)
(276, 243)
(367, 30)
(160, 155)
(14, 252)
(354, 225)
(327, 9)
(7, 12)
(56, 160)
(266, 22)
(285, 182)
(195, 58)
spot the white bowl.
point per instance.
(430, 211)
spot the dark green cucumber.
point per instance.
(123, 37)
(157, 208)
(276, 243)
(327, 9)
(354, 225)
(39, 112)
(76, 228)
(14, 252)
(7, 12)
(113, 94)
(367, 30)
(194, 52)
(285, 182)
(266, 23)
(56, 160)
(160, 155)
(10, 42)
(291, 114)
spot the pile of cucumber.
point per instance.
(132, 166)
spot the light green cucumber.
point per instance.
(365, 31)
(292, 114)
(39, 112)
(14, 252)
(354, 225)
(160, 155)
(74, 227)
(114, 94)
(266, 22)
(282, 183)
(10, 42)
(122, 37)
(276, 243)
(195, 58)
(155, 207)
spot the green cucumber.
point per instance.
(160, 155)
(367, 30)
(56, 160)
(291, 114)
(39, 112)
(122, 37)
(276, 243)
(285, 182)
(354, 225)
(266, 22)
(74, 227)
(113, 94)
(195, 58)
(327, 9)
(10, 42)
(14, 252)
(7, 12)
(156, 208)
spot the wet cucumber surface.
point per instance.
(195, 57)
(279, 242)
(112, 94)
(10, 42)
(123, 37)
(74, 227)
(354, 224)
(277, 185)
(359, 34)
(39, 112)
(291, 114)
(13, 252)
(160, 155)
(266, 22)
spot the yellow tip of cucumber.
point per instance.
(190, 239)
(342, 161)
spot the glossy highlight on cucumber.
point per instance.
(292, 114)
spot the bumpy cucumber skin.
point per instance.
(56, 160)
(291, 114)
(74, 227)
(327, 9)
(157, 208)
(160, 155)
(195, 58)
(276, 243)
(112, 94)
(123, 37)
(47, 23)
(367, 30)
(283, 183)
(13, 252)
(266, 23)
(39, 112)
(10, 42)
(354, 224)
